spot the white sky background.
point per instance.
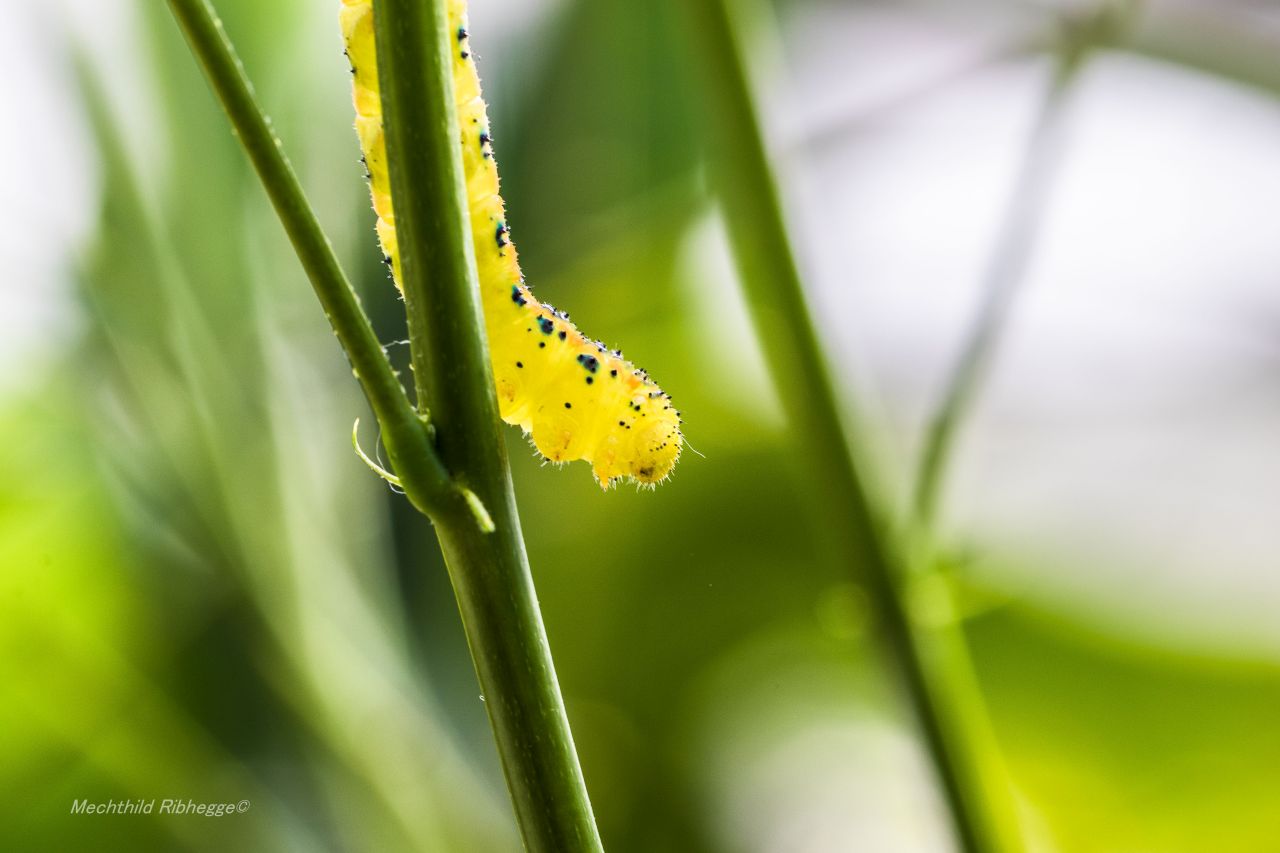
(1126, 452)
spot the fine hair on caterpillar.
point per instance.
(574, 397)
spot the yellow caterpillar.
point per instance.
(578, 399)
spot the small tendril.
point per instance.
(373, 466)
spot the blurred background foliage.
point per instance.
(204, 594)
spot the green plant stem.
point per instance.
(474, 510)
(490, 571)
(404, 433)
(767, 270)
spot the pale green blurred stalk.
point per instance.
(981, 810)
(1010, 256)
(1000, 289)
(945, 642)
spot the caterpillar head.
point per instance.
(657, 450)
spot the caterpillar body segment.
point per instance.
(576, 398)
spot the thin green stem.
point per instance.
(487, 563)
(1014, 248)
(403, 433)
(1079, 36)
(474, 510)
(768, 273)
